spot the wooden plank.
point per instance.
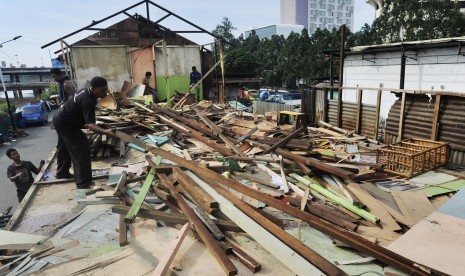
(224, 225)
(164, 265)
(123, 229)
(247, 135)
(131, 215)
(243, 257)
(203, 216)
(375, 207)
(434, 126)
(225, 263)
(415, 206)
(378, 108)
(358, 119)
(281, 250)
(401, 119)
(120, 186)
(193, 190)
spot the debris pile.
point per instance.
(218, 172)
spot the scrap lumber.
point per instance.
(246, 135)
(208, 222)
(225, 263)
(224, 225)
(336, 199)
(349, 238)
(322, 213)
(252, 178)
(375, 207)
(198, 194)
(194, 134)
(280, 249)
(123, 228)
(284, 140)
(131, 215)
(243, 257)
(220, 134)
(120, 186)
(164, 265)
(414, 205)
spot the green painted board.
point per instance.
(171, 84)
(131, 215)
(444, 188)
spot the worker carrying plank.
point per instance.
(73, 146)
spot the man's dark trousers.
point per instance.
(73, 146)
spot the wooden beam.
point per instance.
(200, 197)
(221, 95)
(120, 186)
(203, 216)
(435, 125)
(243, 257)
(164, 265)
(378, 107)
(325, 104)
(358, 120)
(225, 263)
(401, 118)
(131, 215)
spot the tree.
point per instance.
(224, 31)
(420, 20)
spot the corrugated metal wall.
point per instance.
(418, 118)
(349, 116)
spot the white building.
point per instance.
(436, 65)
(279, 29)
(314, 14)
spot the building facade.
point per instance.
(279, 29)
(318, 14)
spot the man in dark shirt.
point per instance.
(65, 86)
(195, 76)
(20, 172)
(148, 89)
(73, 146)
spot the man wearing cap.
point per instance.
(73, 147)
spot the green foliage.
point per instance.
(53, 88)
(420, 20)
(4, 108)
(280, 62)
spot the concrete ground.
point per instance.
(37, 146)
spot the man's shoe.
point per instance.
(85, 186)
(67, 176)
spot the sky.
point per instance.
(42, 21)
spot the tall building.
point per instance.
(278, 29)
(378, 5)
(314, 14)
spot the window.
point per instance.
(348, 14)
(322, 6)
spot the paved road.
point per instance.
(35, 147)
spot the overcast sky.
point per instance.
(42, 21)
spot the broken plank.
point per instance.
(383, 237)
(164, 265)
(121, 184)
(375, 207)
(131, 215)
(123, 229)
(284, 140)
(414, 205)
(243, 257)
(247, 135)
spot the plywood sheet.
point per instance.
(455, 206)
(383, 237)
(432, 178)
(414, 205)
(437, 242)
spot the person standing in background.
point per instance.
(195, 76)
(65, 86)
(20, 172)
(148, 89)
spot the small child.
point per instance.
(20, 172)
